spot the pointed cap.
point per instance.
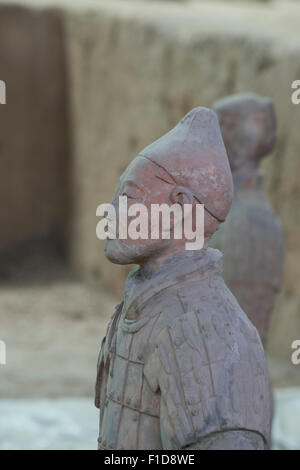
(194, 155)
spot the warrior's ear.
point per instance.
(181, 195)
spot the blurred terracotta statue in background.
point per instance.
(251, 239)
(181, 366)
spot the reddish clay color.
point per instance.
(251, 239)
(181, 366)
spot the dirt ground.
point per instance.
(52, 335)
(53, 326)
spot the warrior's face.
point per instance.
(185, 168)
(249, 129)
(261, 128)
(140, 184)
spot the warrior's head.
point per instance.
(188, 165)
(248, 125)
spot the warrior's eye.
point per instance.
(128, 195)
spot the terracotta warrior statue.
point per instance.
(181, 366)
(251, 239)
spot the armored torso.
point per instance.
(180, 361)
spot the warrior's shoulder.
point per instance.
(212, 317)
(208, 336)
(211, 365)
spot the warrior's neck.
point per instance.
(251, 179)
(155, 264)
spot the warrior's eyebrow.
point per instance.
(132, 183)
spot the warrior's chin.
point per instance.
(115, 253)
